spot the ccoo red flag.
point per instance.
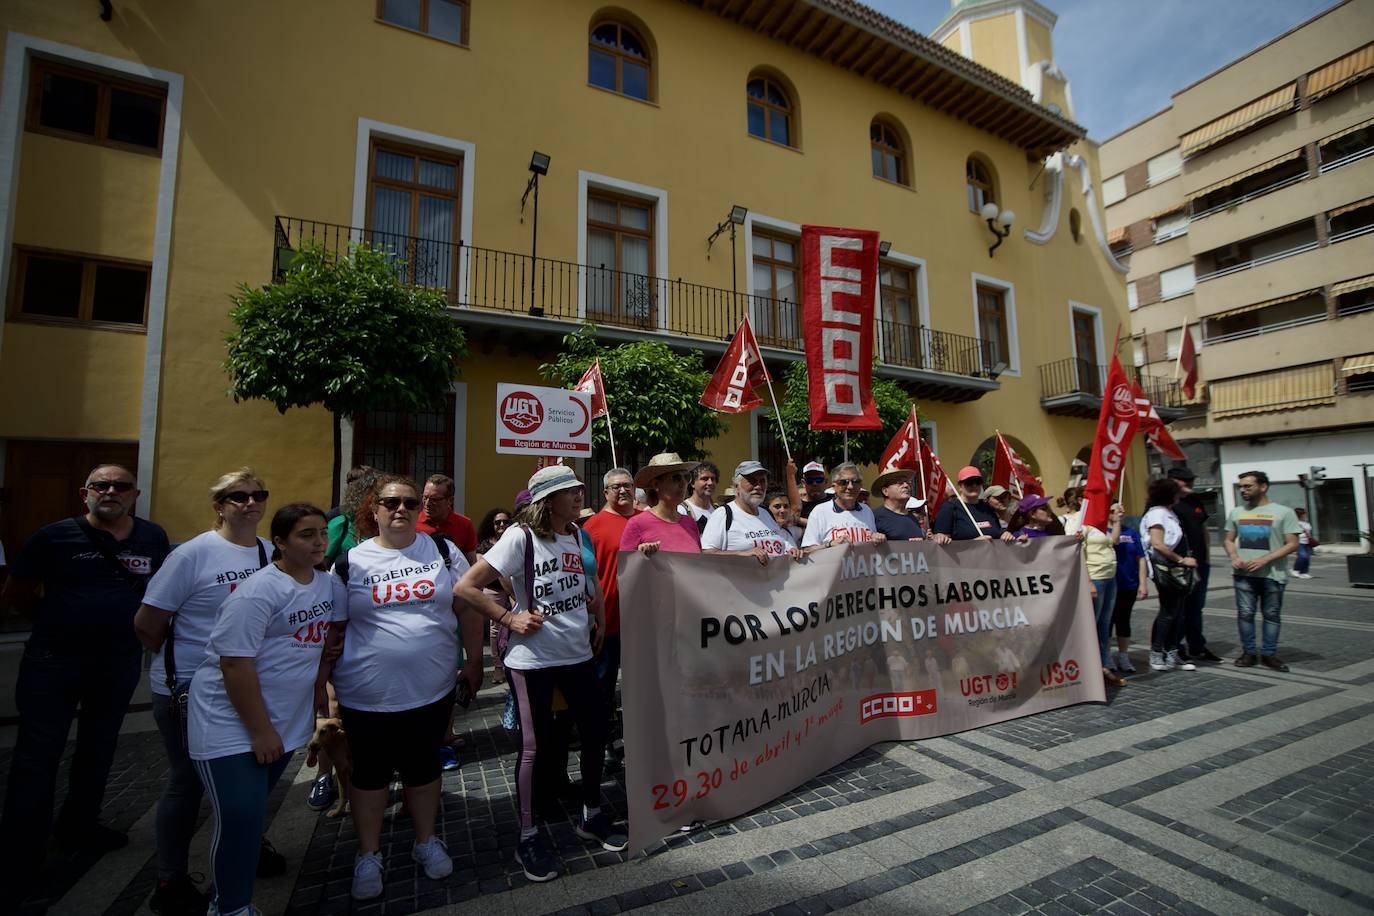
(1116, 427)
(933, 480)
(1153, 427)
(741, 370)
(593, 384)
(1187, 364)
(1011, 471)
(839, 285)
(904, 451)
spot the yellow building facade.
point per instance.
(176, 151)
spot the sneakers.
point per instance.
(1123, 663)
(1303, 575)
(1245, 661)
(271, 863)
(322, 793)
(434, 858)
(1172, 660)
(179, 897)
(599, 828)
(367, 876)
(1157, 662)
(534, 858)
(1272, 661)
(1206, 655)
(448, 759)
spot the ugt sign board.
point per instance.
(543, 421)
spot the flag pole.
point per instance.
(846, 445)
(960, 499)
(920, 456)
(611, 433)
(1178, 360)
(777, 414)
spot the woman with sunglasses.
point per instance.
(395, 679)
(660, 527)
(175, 620)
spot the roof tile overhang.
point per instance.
(860, 39)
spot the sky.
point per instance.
(1125, 58)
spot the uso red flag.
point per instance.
(1116, 426)
(741, 370)
(592, 383)
(839, 279)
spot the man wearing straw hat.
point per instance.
(968, 518)
(893, 517)
(843, 520)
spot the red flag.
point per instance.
(839, 283)
(1116, 427)
(592, 383)
(934, 482)
(1153, 427)
(1187, 364)
(903, 452)
(741, 370)
(1008, 466)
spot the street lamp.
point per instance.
(999, 222)
(734, 218)
(884, 248)
(539, 165)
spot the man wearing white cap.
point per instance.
(844, 519)
(813, 479)
(738, 528)
(893, 517)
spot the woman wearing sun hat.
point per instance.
(660, 527)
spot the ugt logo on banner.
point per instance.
(542, 421)
(839, 276)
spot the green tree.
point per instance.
(345, 332)
(653, 393)
(827, 445)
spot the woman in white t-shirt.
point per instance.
(178, 612)
(252, 698)
(551, 645)
(395, 680)
(1159, 528)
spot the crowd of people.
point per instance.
(373, 619)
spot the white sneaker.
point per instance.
(1303, 575)
(367, 876)
(1123, 663)
(434, 857)
(1157, 662)
(1173, 661)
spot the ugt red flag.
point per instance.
(1008, 466)
(1116, 427)
(933, 480)
(1152, 425)
(593, 384)
(741, 370)
(904, 451)
(839, 279)
(1187, 363)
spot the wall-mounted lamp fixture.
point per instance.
(999, 222)
(734, 218)
(539, 165)
(884, 248)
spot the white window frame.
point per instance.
(1170, 166)
(657, 196)
(1171, 226)
(1163, 296)
(1114, 189)
(1132, 296)
(1013, 341)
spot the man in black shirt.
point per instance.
(813, 482)
(893, 517)
(81, 581)
(952, 522)
(1192, 518)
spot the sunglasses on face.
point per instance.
(500, 522)
(104, 486)
(242, 497)
(972, 482)
(847, 482)
(392, 503)
(814, 479)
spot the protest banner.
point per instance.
(744, 681)
(531, 420)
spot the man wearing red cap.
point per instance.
(968, 518)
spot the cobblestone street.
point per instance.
(1224, 790)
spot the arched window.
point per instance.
(770, 110)
(889, 153)
(980, 188)
(618, 60)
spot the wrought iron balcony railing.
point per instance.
(1074, 376)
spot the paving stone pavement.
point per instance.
(1224, 790)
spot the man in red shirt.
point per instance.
(606, 528)
(438, 515)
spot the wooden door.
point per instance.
(1085, 350)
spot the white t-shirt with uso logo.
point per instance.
(744, 531)
(401, 646)
(561, 590)
(281, 625)
(828, 520)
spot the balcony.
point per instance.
(505, 296)
(1073, 388)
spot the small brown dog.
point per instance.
(329, 747)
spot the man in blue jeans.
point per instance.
(81, 580)
(1259, 537)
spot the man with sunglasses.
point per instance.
(439, 516)
(813, 482)
(81, 580)
(953, 523)
(844, 519)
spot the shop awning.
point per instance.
(1358, 365)
(1287, 389)
(1262, 305)
(1353, 286)
(1359, 204)
(1336, 75)
(1262, 167)
(1169, 210)
(1241, 119)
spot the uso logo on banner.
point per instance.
(543, 421)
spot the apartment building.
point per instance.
(1244, 211)
(152, 162)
